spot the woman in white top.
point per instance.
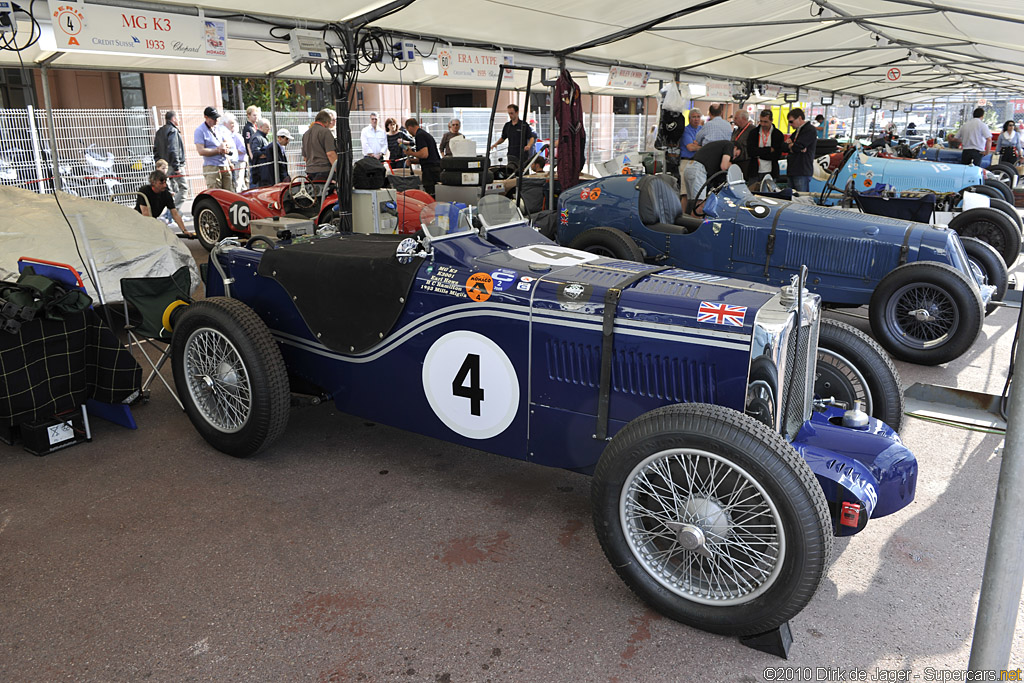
(1009, 145)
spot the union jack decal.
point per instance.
(721, 314)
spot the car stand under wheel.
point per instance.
(712, 518)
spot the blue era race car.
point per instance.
(926, 294)
(719, 481)
(857, 171)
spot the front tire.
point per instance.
(210, 225)
(230, 376)
(608, 242)
(853, 367)
(1004, 173)
(712, 518)
(926, 313)
(991, 268)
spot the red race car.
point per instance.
(221, 213)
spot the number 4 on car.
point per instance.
(727, 451)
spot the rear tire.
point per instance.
(230, 376)
(1001, 187)
(853, 367)
(712, 518)
(991, 226)
(991, 267)
(608, 242)
(926, 313)
(210, 225)
(985, 191)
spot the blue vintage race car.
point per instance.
(926, 301)
(718, 482)
(856, 171)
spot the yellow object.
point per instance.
(165, 320)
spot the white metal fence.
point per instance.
(108, 153)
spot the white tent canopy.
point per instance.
(844, 46)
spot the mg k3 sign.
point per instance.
(102, 28)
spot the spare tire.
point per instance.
(463, 178)
(471, 164)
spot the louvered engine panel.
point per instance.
(636, 373)
(825, 253)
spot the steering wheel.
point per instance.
(833, 178)
(693, 204)
(299, 192)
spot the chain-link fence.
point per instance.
(108, 153)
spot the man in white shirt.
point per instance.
(975, 139)
(373, 139)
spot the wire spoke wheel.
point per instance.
(925, 315)
(702, 526)
(218, 381)
(208, 225)
(841, 379)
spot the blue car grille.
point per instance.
(824, 253)
(635, 373)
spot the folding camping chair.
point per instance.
(152, 297)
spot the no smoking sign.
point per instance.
(893, 74)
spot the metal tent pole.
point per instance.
(273, 128)
(54, 162)
(1004, 561)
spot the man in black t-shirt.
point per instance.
(708, 160)
(425, 150)
(519, 135)
(155, 197)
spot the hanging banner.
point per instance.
(810, 96)
(771, 91)
(624, 77)
(458, 63)
(719, 90)
(102, 28)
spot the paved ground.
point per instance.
(359, 552)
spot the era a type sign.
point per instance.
(455, 62)
(101, 28)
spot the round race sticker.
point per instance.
(479, 286)
(471, 385)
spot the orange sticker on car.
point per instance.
(630, 178)
(479, 286)
(595, 193)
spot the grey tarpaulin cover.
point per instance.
(124, 243)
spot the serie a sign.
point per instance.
(102, 28)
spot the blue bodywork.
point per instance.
(862, 172)
(947, 155)
(767, 240)
(545, 317)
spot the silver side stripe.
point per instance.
(508, 311)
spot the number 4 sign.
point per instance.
(471, 385)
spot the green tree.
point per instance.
(290, 94)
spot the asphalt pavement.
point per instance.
(357, 552)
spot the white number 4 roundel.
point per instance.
(471, 385)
